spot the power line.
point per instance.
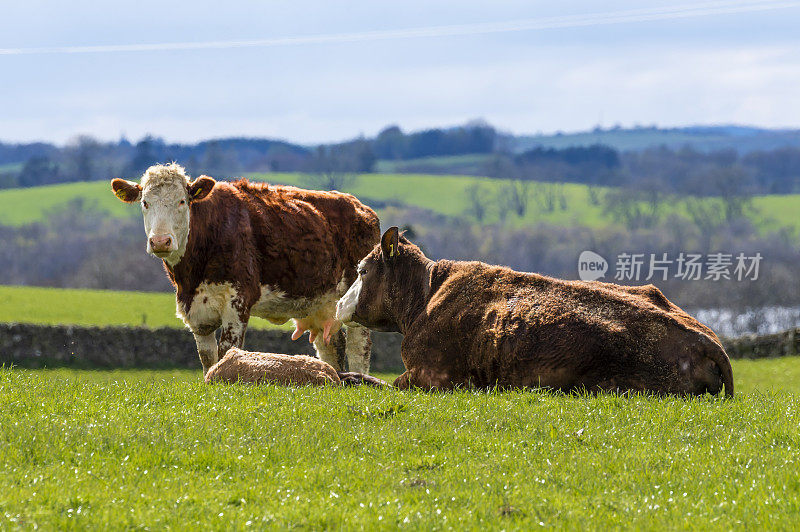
(702, 9)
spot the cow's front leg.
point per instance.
(234, 316)
(232, 334)
(403, 382)
(207, 349)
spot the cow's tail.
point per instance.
(718, 355)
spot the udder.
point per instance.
(313, 315)
(314, 327)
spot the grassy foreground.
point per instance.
(160, 449)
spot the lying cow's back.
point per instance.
(518, 324)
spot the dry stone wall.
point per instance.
(36, 346)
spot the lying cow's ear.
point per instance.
(389, 243)
(201, 187)
(127, 191)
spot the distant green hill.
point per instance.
(449, 195)
(572, 204)
(55, 306)
(19, 206)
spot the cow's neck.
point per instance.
(190, 270)
(413, 292)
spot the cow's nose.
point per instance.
(161, 243)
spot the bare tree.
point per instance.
(478, 201)
(328, 171)
(515, 196)
(82, 156)
(547, 196)
(594, 195)
(734, 186)
(636, 208)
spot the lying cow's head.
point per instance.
(374, 298)
(165, 194)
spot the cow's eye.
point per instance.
(183, 202)
(362, 271)
(144, 204)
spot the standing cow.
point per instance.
(468, 323)
(238, 249)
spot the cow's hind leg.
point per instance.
(358, 348)
(333, 353)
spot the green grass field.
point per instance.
(19, 206)
(57, 306)
(448, 195)
(146, 449)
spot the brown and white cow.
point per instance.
(240, 249)
(469, 323)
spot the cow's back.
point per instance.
(512, 327)
(355, 226)
(308, 240)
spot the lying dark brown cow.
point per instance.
(238, 249)
(469, 323)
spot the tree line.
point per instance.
(662, 169)
(85, 158)
(652, 170)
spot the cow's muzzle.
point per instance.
(342, 314)
(346, 306)
(161, 244)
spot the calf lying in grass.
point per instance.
(247, 366)
(469, 323)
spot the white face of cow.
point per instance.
(166, 220)
(165, 195)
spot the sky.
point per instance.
(324, 71)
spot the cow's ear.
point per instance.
(389, 243)
(127, 191)
(201, 187)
